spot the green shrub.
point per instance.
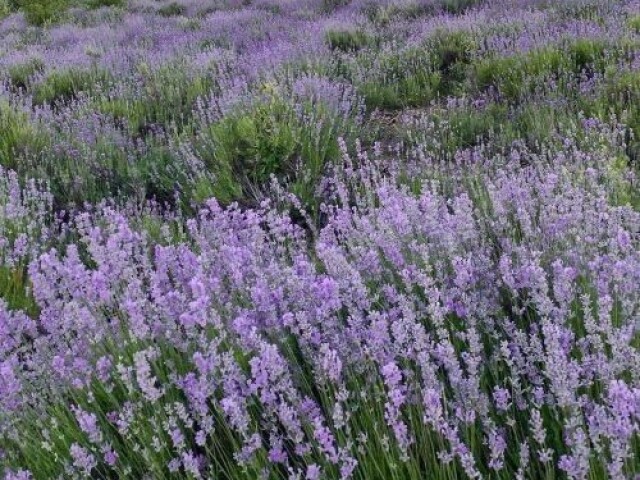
(537, 124)
(452, 53)
(588, 54)
(65, 85)
(106, 3)
(621, 95)
(634, 23)
(399, 79)
(518, 75)
(329, 6)
(348, 40)
(5, 8)
(272, 137)
(41, 12)
(158, 173)
(415, 76)
(414, 90)
(470, 128)
(17, 136)
(172, 9)
(167, 99)
(383, 14)
(501, 72)
(255, 144)
(594, 10)
(14, 289)
(20, 74)
(458, 6)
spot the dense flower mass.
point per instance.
(319, 239)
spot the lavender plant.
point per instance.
(367, 239)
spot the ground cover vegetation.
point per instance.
(319, 239)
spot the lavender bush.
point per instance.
(319, 239)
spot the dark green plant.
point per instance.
(348, 40)
(167, 99)
(42, 12)
(517, 75)
(329, 6)
(21, 74)
(17, 137)
(458, 6)
(106, 3)
(65, 85)
(634, 23)
(587, 54)
(172, 9)
(452, 53)
(402, 79)
(5, 8)
(272, 137)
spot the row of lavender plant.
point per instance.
(487, 328)
(136, 102)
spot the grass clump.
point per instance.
(457, 7)
(106, 3)
(14, 289)
(519, 75)
(42, 12)
(588, 55)
(17, 136)
(634, 23)
(348, 40)
(5, 8)
(621, 96)
(20, 75)
(383, 15)
(329, 6)
(399, 80)
(64, 85)
(452, 54)
(166, 99)
(173, 9)
(417, 75)
(292, 141)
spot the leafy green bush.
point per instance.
(16, 136)
(272, 137)
(414, 90)
(382, 15)
(415, 76)
(399, 79)
(452, 53)
(20, 74)
(106, 3)
(172, 9)
(458, 6)
(5, 8)
(634, 23)
(41, 12)
(348, 40)
(65, 85)
(588, 54)
(14, 289)
(502, 73)
(517, 75)
(167, 99)
(329, 6)
(621, 95)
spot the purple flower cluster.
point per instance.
(447, 314)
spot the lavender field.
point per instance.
(320, 239)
